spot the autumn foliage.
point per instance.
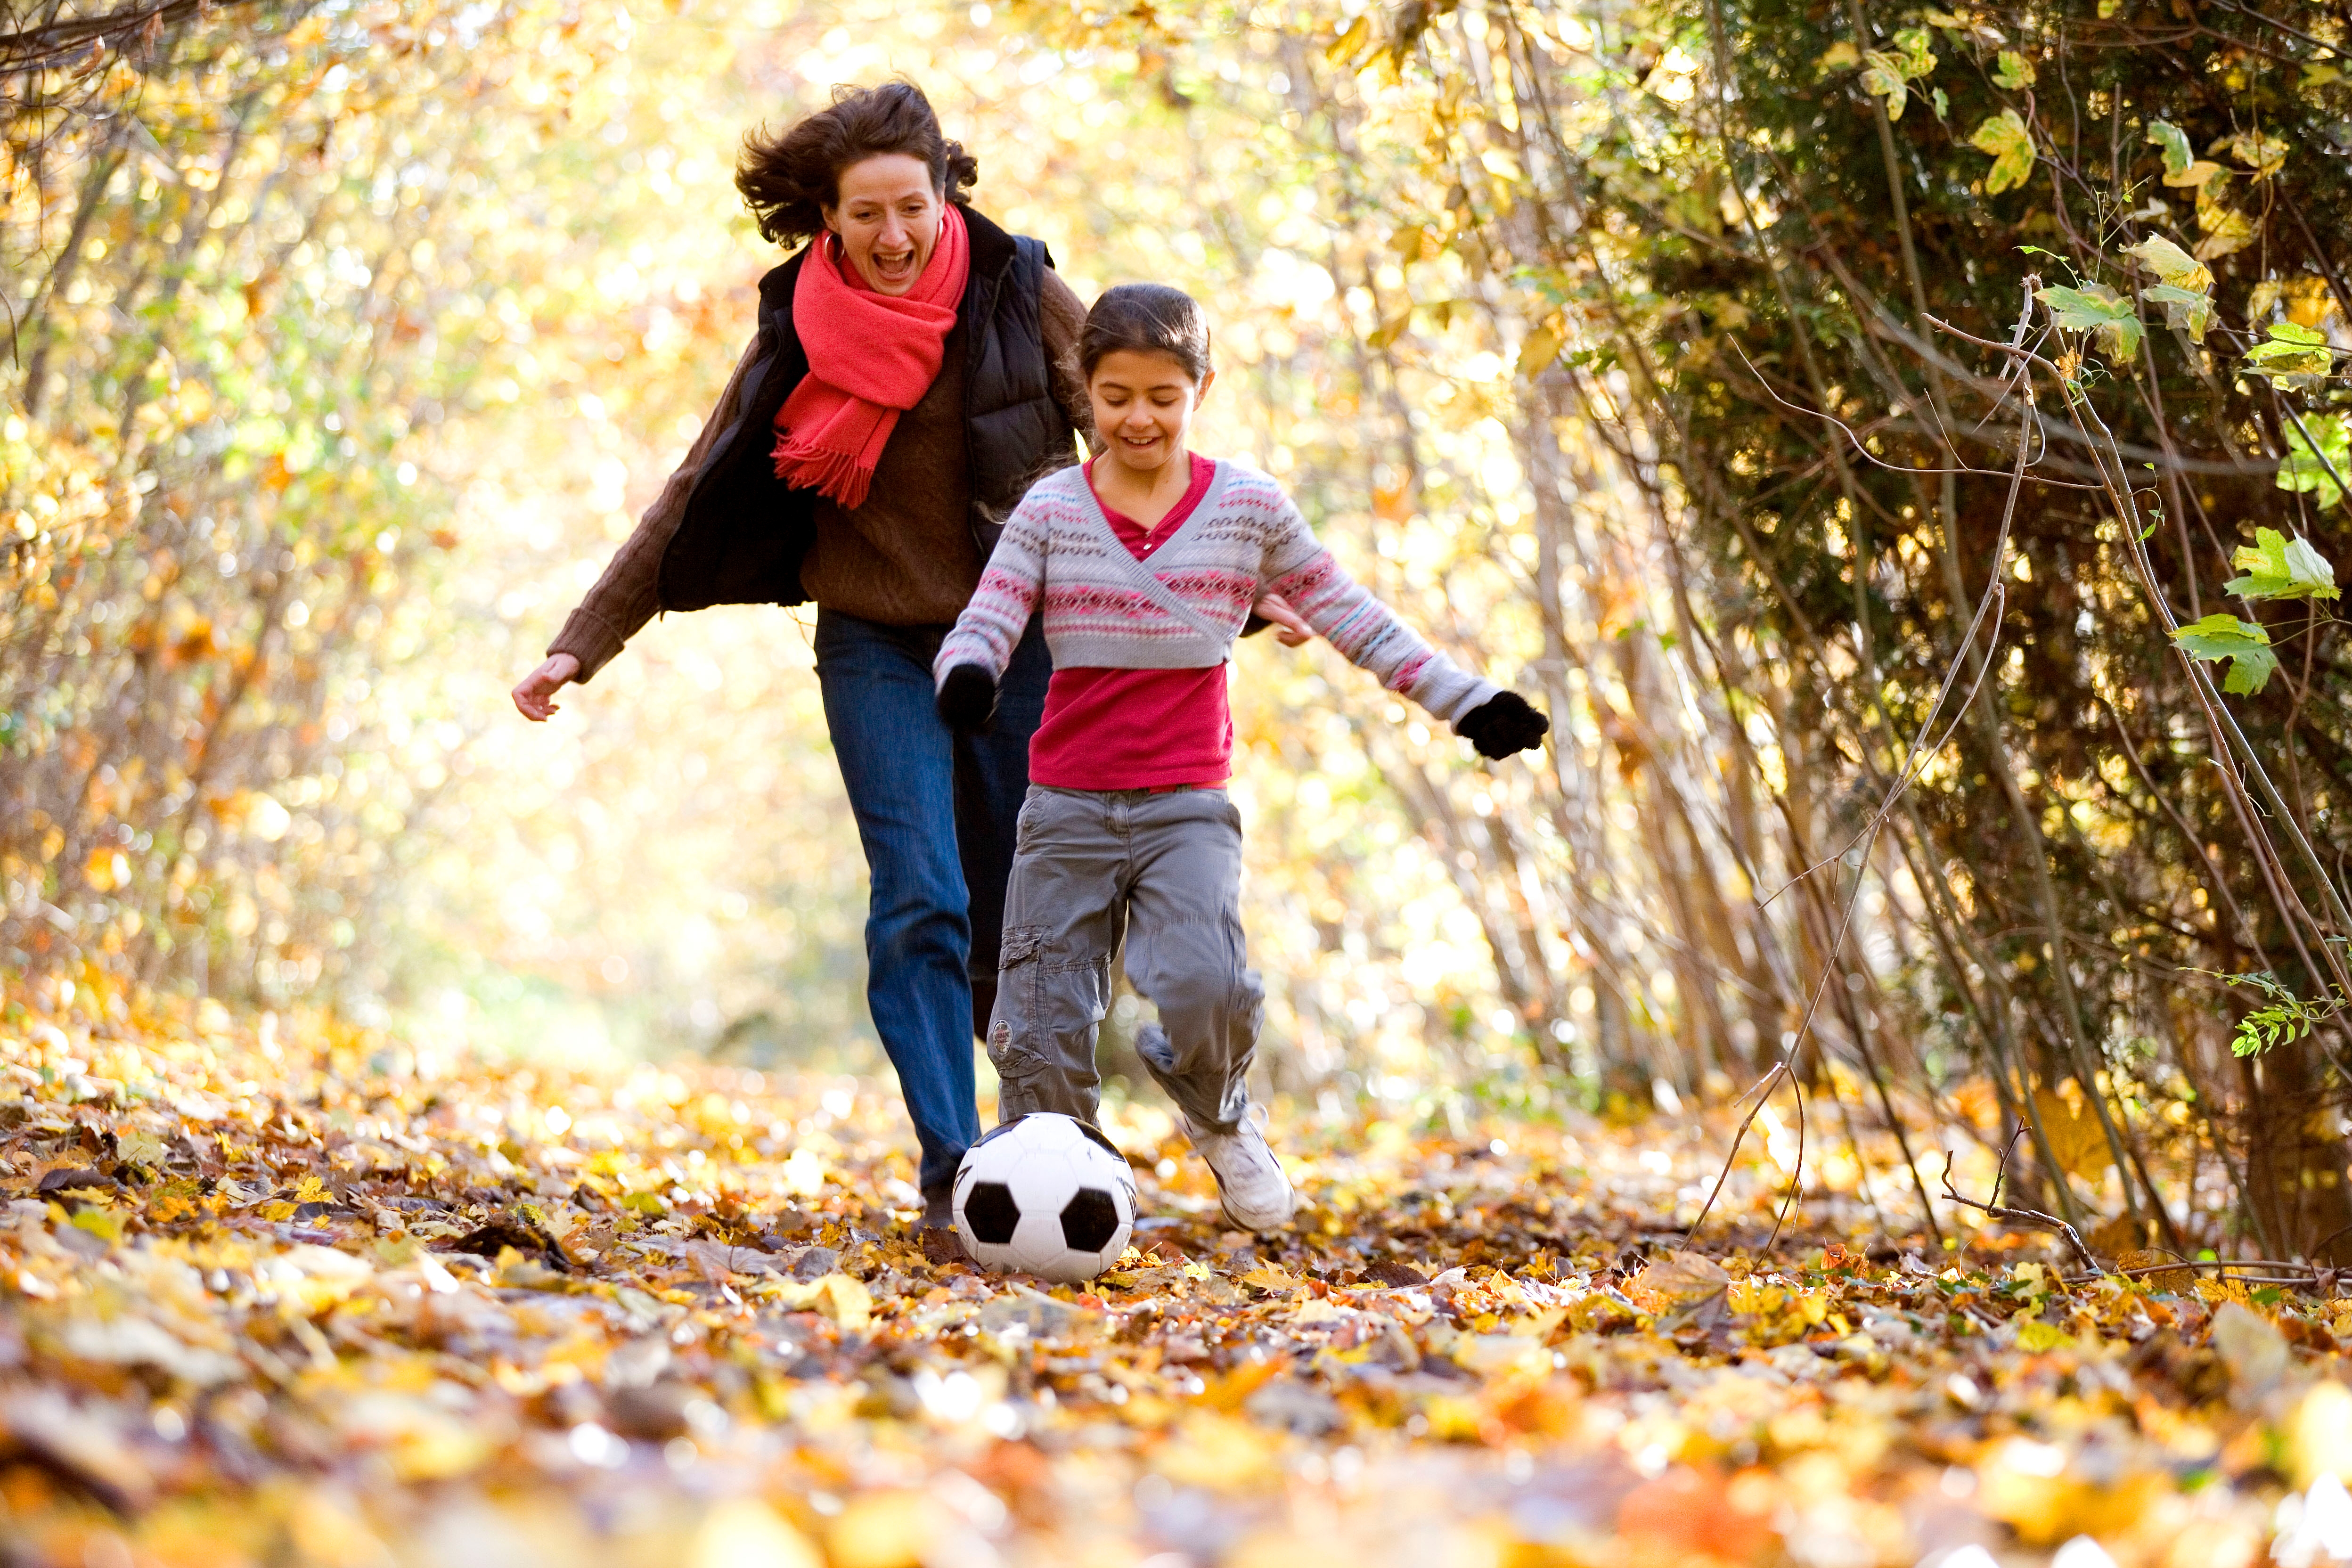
(286, 1291)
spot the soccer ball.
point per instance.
(1047, 1193)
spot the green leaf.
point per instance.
(1918, 47)
(1943, 105)
(2181, 166)
(2277, 567)
(2096, 309)
(2012, 70)
(1882, 77)
(2184, 309)
(2011, 146)
(2178, 153)
(2292, 356)
(2305, 470)
(2245, 644)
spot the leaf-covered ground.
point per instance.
(292, 1295)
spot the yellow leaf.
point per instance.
(1220, 1453)
(837, 1296)
(2006, 137)
(2077, 1141)
(2227, 231)
(2263, 155)
(1839, 56)
(423, 1441)
(2309, 301)
(2319, 1436)
(2170, 264)
(2037, 1336)
(884, 1530)
(1538, 351)
(2026, 1486)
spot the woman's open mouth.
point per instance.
(895, 268)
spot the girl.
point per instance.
(1145, 563)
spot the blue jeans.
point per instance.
(937, 813)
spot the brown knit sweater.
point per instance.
(905, 557)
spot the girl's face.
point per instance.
(887, 216)
(1144, 402)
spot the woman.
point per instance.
(913, 370)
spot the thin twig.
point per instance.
(2008, 1216)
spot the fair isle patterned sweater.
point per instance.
(1182, 608)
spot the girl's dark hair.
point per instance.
(1147, 318)
(788, 179)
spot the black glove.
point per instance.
(1502, 724)
(968, 699)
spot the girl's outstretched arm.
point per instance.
(1302, 571)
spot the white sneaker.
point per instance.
(1250, 1180)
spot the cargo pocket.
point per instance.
(1013, 1032)
(1022, 946)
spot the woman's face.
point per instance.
(1144, 404)
(886, 217)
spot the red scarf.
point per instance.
(871, 357)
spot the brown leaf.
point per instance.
(2174, 1279)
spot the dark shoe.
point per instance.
(942, 1244)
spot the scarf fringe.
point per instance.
(839, 477)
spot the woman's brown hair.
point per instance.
(790, 178)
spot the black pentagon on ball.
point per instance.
(991, 1212)
(1090, 1220)
(1000, 1128)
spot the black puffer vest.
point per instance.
(745, 532)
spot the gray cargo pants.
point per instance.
(1162, 871)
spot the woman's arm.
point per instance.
(1061, 316)
(625, 597)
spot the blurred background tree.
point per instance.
(1606, 339)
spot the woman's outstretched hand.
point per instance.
(967, 699)
(1504, 723)
(531, 694)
